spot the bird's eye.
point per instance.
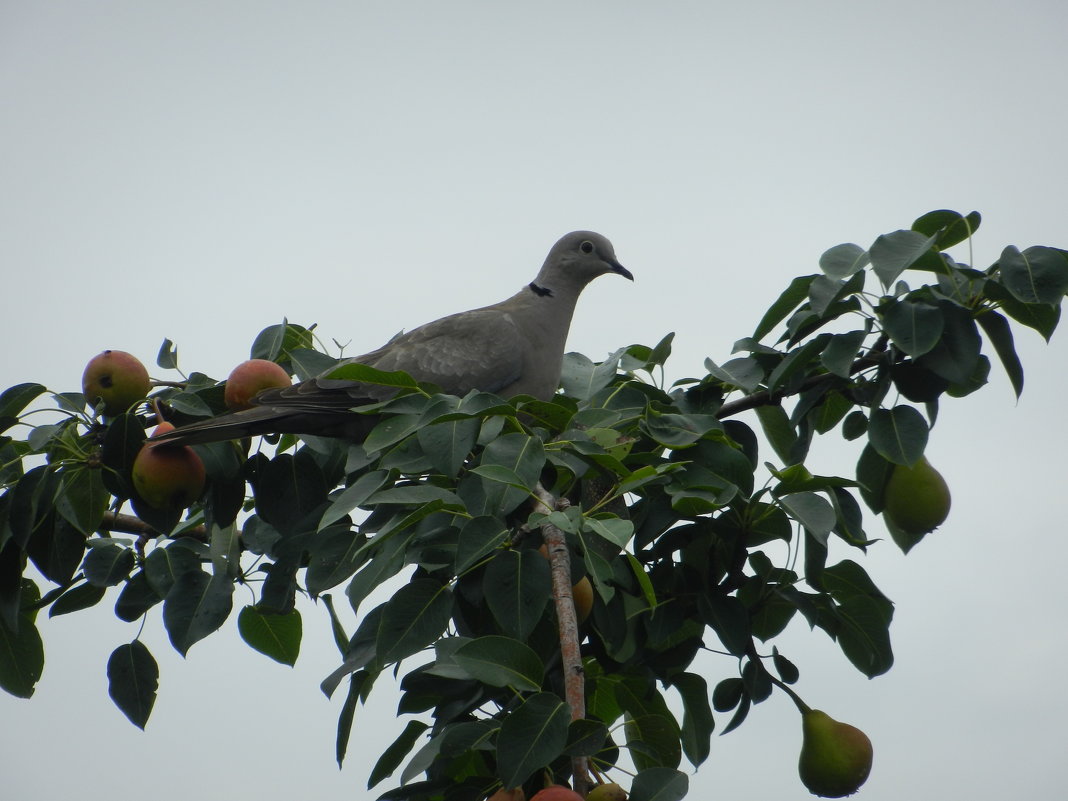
(586, 246)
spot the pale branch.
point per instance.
(570, 649)
(128, 524)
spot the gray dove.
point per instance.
(510, 348)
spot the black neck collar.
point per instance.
(540, 291)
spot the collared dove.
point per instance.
(510, 348)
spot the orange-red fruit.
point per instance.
(515, 794)
(116, 378)
(556, 792)
(250, 378)
(168, 477)
(582, 594)
(609, 791)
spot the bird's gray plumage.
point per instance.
(510, 348)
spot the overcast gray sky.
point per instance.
(199, 170)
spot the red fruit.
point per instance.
(250, 378)
(168, 477)
(116, 378)
(556, 792)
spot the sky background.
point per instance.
(198, 171)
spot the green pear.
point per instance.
(917, 498)
(607, 792)
(835, 757)
(116, 379)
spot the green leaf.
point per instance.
(393, 756)
(359, 683)
(948, 227)
(613, 529)
(793, 296)
(697, 720)
(517, 587)
(729, 619)
(501, 662)
(956, 356)
(531, 737)
(334, 555)
(842, 261)
(1036, 275)
(353, 496)
(81, 596)
(659, 784)
(274, 635)
(813, 511)
(893, 253)
(585, 737)
(777, 428)
(14, 399)
(582, 379)
(136, 598)
(914, 327)
(478, 538)
(21, 651)
(167, 359)
(841, 351)
(744, 372)
(108, 564)
(133, 678)
(999, 332)
(898, 434)
(196, 605)
(412, 619)
(448, 444)
(165, 565)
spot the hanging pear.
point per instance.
(917, 498)
(835, 757)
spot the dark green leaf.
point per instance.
(697, 720)
(659, 784)
(14, 399)
(893, 253)
(136, 598)
(842, 261)
(585, 737)
(80, 596)
(790, 299)
(393, 756)
(1036, 275)
(729, 619)
(531, 737)
(276, 636)
(165, 565)
(744, 372)
(412, 619)
(999, 332)
(841, 351)
(334, 556)
(517, 587)
(898, 434)
(133, 678)
(813, 511)
(108, 564)
(948, 227)
(353, 496)
(501, 662)
(196, 605)
(22, 652)
(914, 327)
(778, 430)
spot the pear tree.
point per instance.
(682, 518)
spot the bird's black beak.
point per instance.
(621, 270)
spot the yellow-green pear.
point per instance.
(835, 757)
(917, 498)
(610, 791)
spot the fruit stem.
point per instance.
(802, 707)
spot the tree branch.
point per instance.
(570, 650)
(766, 398)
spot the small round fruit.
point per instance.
(835, 757)
(168, 477)
(556, 792)
(607, 792)
(582, 594)
(917, 498)
(250, 378)
(116, 378)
